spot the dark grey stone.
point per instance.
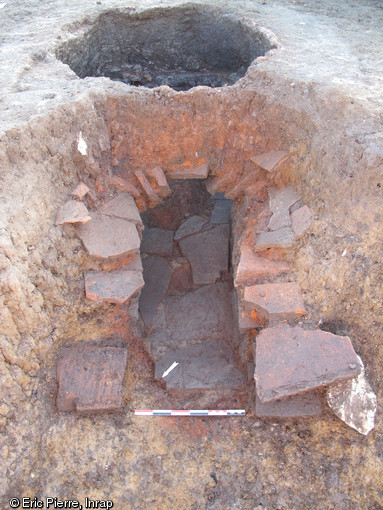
(207, 365)
(156, 241)
(218, 196)
(157, 274)
(201, 315)
(208, 254)
(221, 211)
(190, 226)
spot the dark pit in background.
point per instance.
(180, 47)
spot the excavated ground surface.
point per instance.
(317, 96)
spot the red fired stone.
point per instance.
(291, 360)
(90, 379)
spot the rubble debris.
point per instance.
(123, 185)
(280, 203)
(252, 179)
(159, 182)
(153, 197)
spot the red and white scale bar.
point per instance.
(189, 412)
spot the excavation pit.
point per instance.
(187, 302)
(181, 47)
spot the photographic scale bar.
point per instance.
(189, 412)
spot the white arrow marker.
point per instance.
(167, 372)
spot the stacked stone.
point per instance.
(148, 187)
(292, 364)
(186, 270)
(259, 300)
(90, 377)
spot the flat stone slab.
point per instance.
(156, 241)
(208, 254)
(161, 185)
(276, 300)
(199, 172)
(157, 274)
(123, 206)
(124, 185)
(291, 360)
(301, 220)
(280, 203)
(106, 236)
(252, 266)
(299, 406)
(80, 190)
(284, 198)
(207, 365)
(154, 198)
(135, 264)
(200, 315)
(90, 379)
(280, 238)
(354, 402)
(72, 212)
(205, 313)
(269, 161)
(252, 180)
(113, 286)
(181, 280)
(190, 226)
(221, 211)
